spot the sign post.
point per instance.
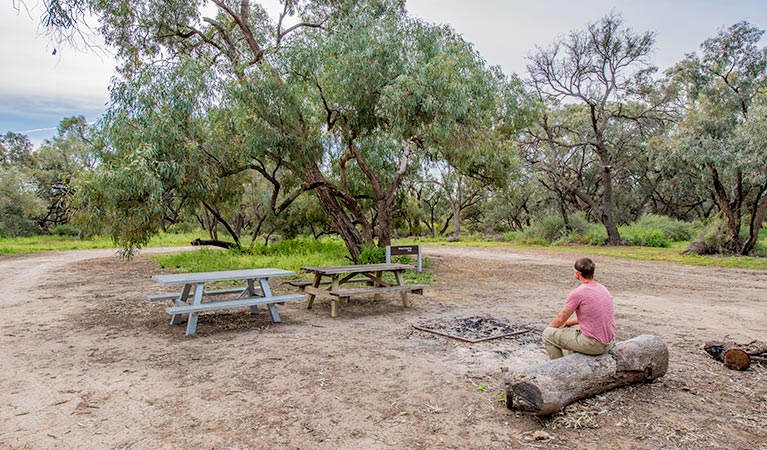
(397, 250)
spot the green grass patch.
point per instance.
(669, 254)
(290, 254)
(46, 243)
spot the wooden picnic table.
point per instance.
(370, 274)
(256, 291)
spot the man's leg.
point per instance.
(555, 340)
(564, 341)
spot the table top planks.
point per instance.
(358, 268)
(205, 277)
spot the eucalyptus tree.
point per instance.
(58, 161)
(20, 205)
(329, 91)
(15, 150)
(722, 136)
(596, 88)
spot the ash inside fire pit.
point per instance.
(471, 329)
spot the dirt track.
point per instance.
(87, 362)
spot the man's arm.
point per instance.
(561, 320)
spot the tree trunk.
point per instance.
(731, 220)
(215, 243)
(607, 217)
(758, 215)
(457, 210)
(339, 220)
(383, 223)
(547, 388)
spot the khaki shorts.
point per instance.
(563, 341)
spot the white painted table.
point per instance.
(256, 291)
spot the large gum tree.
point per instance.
(328, 93)
(722, 137)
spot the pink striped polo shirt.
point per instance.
(593, 305)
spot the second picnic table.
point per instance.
(370, 274)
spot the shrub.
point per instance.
(544, 231)
(65, 230)
(674, 230)
(597, 236)
(17, 226)
(712, 240)
(300, 246)
(182, 228)
(551, 229)
(372, 254)
(645, 237)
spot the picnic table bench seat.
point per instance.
(156, 298)
(302, 284)
(226, 304)
(414, 288)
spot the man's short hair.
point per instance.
(586, 267)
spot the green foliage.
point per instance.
(301, 246)
(644, 237)
(721, 136)
(45, 243)
(596, 85)
(290, 254)
(596, 236)
(546, 230)
(15, 223)
(713, 239)
(65, 230)
(372, 254)
(19, 203)
(241, 114)
(551, 229)
(652, 230)
(674, 230)
(182, 228)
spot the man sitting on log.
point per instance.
(592, 330)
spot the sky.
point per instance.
(39, 88)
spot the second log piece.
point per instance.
(547, 388)
(735, 356)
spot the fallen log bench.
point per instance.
(547, 388)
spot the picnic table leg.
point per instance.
(180, 301)
(316, 285)
(191, 322)
(377, 296)
(252, 293)
(333, 300)
(270, 306)
(403, 294)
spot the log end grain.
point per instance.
(736, 359)
(733, 356)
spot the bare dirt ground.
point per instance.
(87, 362)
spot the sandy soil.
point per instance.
(87, 362)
